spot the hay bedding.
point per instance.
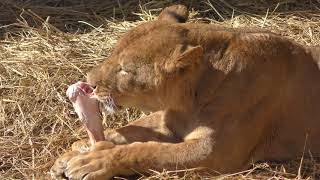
(45, 45)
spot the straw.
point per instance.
(46, 45)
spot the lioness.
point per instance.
(222, 99)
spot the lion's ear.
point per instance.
(184, 56)
(174, 14)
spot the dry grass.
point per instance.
(45, 45)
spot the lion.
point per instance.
(219, 98)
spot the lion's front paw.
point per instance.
(58, 168)
(95, 164)
(81, 146)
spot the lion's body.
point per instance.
(222, 99)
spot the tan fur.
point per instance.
(222, 99)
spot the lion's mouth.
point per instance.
(109, 104)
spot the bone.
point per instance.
(87, 108)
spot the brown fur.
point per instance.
(222, 99)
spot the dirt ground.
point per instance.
(46, 45)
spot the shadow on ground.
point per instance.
(78, 15)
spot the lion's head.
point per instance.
(150, 64)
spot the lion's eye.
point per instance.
(123, 72)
